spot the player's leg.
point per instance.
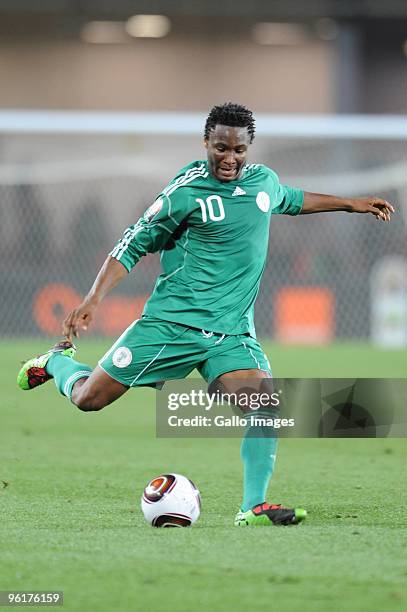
(142, 355)
(233, 370)
(259, 446)
(148, 352)
(258, 453)
(87, 389)
(97, 391)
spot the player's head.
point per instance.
(229, 130)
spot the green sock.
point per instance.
(66, 372)
(258, 453)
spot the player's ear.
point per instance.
(205, 143)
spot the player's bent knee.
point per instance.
(88, 402)
(97, 391)
(89, 406)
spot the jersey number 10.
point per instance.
(208, 209)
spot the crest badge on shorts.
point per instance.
(153, 210)
(122, 357)
(263, 201)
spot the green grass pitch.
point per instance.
(70, 485)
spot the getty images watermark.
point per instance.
(256, 409)
(309, 408)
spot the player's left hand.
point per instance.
(381, 209)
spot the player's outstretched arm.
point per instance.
(318, 202)
(110, 274)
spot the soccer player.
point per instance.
(211, 225)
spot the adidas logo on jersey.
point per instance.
(238, 191)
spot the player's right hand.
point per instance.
(78, 319)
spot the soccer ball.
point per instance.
(171, 500)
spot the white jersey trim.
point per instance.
(148, 365)
(251, 353)
(190, 175)
(122, 246)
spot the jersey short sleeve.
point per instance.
(287, 200)
(153, 230)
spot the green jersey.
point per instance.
(213, 239)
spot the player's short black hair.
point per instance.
(233, 115)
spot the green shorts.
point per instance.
(152, 351)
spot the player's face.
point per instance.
(227, 151)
